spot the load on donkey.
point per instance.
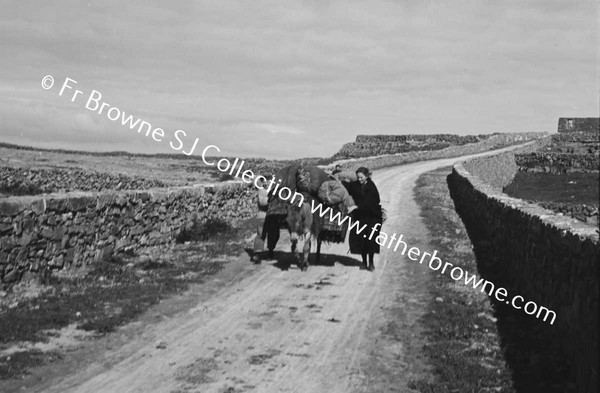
(316, 187)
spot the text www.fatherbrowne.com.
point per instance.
(435, 263)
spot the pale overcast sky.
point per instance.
(289, 79)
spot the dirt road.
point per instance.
(335, 328)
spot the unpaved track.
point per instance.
(334, 328)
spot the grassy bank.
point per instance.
(108, 294)
(464, 345)
(549, 187)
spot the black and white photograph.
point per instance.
(306, 196)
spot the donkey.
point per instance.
(303, 224)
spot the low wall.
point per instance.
(577, 136)
(373, 145)
(80, 228)
(499, 169)
(586, 124)
(453, 138)
(557, 162)
(579, 211)
(493, 142)
(546, 258)
(33, 181)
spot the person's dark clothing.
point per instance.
(366, 197)
(355, 190)
(271, 230)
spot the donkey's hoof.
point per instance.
(304, 268)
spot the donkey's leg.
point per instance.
(319, 248)
(294, 241)
(306, 251)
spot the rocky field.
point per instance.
(562, 175)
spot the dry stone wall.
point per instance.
(33, 181)
(566, 152)
(550, 259)
(61, 230)
(587, 124)
(493, 142)
(579, 211)
(499, 169)
(558, 162)
(453, 138)
(373, 145)
(577, 136)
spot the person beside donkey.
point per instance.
(310, 180)
(368, 212)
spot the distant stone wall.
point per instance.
(500, 170)
(79, 228)
(577, 136)
(581, 212)
(453, 138)
(557, 162)
(34, 181)
(546, 258)
(587, 124)
(493, 142)
(373, 145)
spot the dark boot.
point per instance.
(371, 263)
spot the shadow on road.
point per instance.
(284, 260)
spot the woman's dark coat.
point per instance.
(369, 212)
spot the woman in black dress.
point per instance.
(366, 196)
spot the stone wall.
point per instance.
(587, 124)
(546, 258)
(577, 136)
(499, 169)
(60, 230)
(579, 211)
(374, 145)
(33, 181)
(404, 138)
(493, 142)
(566, 152)
(557, 162)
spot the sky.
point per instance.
(290, 79)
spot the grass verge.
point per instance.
(109, 293)
(548, 187)
(463, 340)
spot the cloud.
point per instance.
(308, 76)
(84, 123)
(279, 129)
